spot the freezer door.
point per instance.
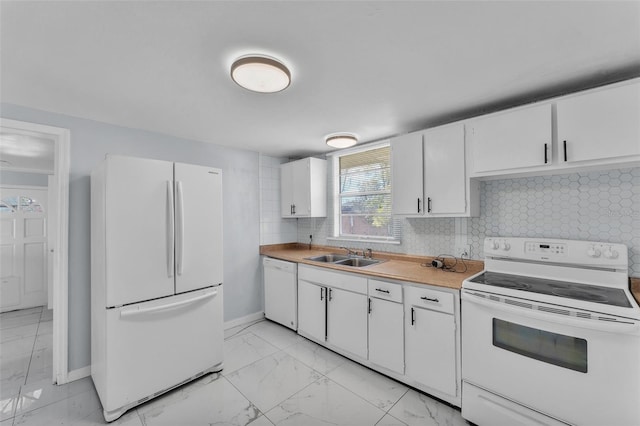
(139, 230)
(198, 227)
(156, 345)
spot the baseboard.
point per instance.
(244, 320)
(78, 374)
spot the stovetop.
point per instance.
(563, 289)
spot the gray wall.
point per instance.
(21, 178)
(90, 141)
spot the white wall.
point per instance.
(90, 141)
(21, 178)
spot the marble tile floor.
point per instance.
(272, 376)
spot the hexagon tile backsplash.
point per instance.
(598, 206)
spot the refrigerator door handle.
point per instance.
(179, 228)
(129, 312)
(170, 229)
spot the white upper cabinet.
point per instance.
(512, 140)
(445, 180)
(430, 175)
(406, 175)
(303, 188)
(601, 124)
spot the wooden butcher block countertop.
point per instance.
(635, 288)
(395, 266)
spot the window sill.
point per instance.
(366, 240)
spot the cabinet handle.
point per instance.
(418, 204)
(564, 145)
(429, 205)
(430, 299)
(369, 305)
(382, 290)
(321, 293)
(294, 208)
(545, 154)
(291, 209)
(413, 316)
(330, 295)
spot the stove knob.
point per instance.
(609, 253)
(495, 245)
(593, 252)
(506, 246)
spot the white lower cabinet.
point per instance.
(405, 331)
(431, 340)
(312, 311)
(347, 321)
(386, 334)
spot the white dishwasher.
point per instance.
(281, 292)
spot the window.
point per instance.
(363, 195)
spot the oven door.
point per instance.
(577, 370)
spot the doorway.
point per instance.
(43, 234)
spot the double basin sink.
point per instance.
(341, 259)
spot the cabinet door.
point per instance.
(198, 205)
(301, 188)
(347, 321)
(430, 349)
(444, 170)
(286, 189)
(312, 310)
(406, 175)
(599, 125)
(386, 339)
(513, 140)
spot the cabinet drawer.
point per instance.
(430, 299)
(385, 290)
(334, 279)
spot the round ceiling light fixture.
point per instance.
(261, 74)
(341, 140)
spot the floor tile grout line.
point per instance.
(244, 396)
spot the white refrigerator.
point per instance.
(156, 278)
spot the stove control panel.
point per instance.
(558, 251)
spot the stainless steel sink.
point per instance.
(329, 258)
(357, 262)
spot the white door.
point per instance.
(602, 124)
(301, 187)
(512, 140)
(139, 229)
(286, 189)
(444, 170)
(312, 310)
(386, 337)
(430, 349)
(347, 321)
(198, 233)
(407, 177)
(23, 248)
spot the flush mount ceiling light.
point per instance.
(341, 140)
(260, 74)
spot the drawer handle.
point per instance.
(429, 299)
(382, 291)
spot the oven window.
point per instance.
(564, 351)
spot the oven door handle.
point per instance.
(630, 327)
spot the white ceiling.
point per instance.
(26, 153)
(373, 68)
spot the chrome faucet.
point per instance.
(350, 252)
(367, 253)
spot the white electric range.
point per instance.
(551, 335)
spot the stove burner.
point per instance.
(578, 294)
(567, 290)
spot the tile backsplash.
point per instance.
(599, 206)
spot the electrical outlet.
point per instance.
(463, 251)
